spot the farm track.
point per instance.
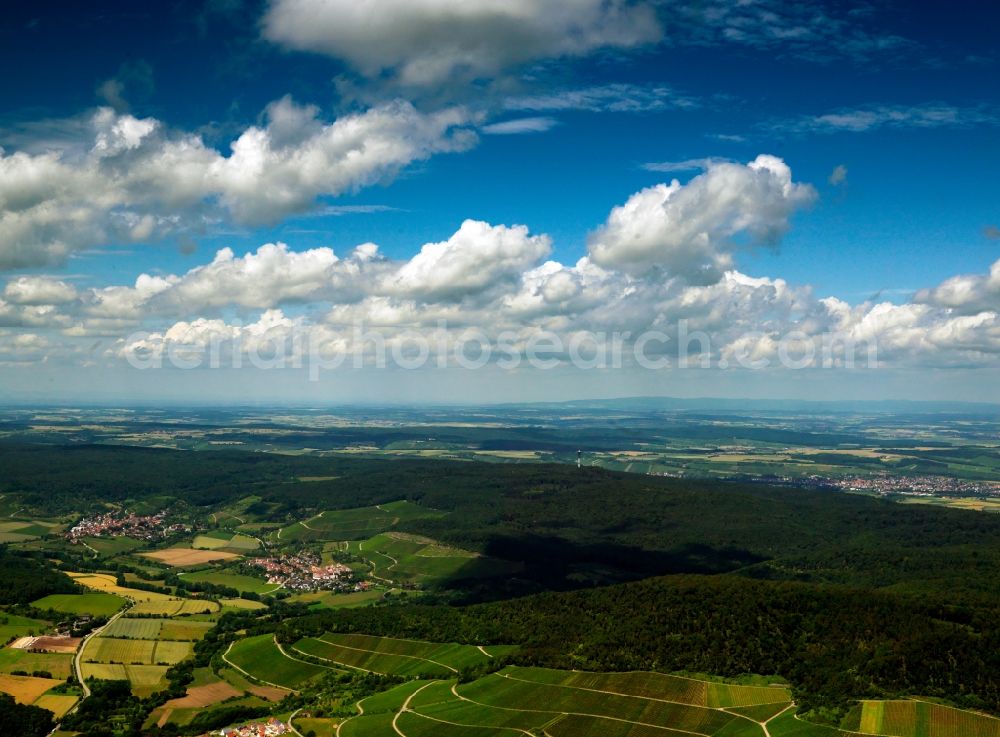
(361, 713)
(764, 724)
(406, 707)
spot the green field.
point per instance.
(392, 656)
(354, 524)
(334, 600)
(180, 629)
(238, 581)
(106, 649)
(109, 546)
(96, 603)
(21, 530)
(260, 658)
(225, 540)
(136, 629)
(156, 629)
(145, 679)
(13, 626)
(400, 557)
(58, 664)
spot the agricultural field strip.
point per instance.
(394, 655)
(630, 696)
(599, 716)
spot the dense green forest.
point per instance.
(26, 578)
(23, 720)
(570, 527)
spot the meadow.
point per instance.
(95, 603)
(333, 600)
(225, 540)
(58, 664)
(232, 579)
(13, 626)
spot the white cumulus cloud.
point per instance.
(131, 180)
(688, 230)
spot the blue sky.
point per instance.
(883, 116)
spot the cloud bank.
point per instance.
(662, 264)
(129, 179)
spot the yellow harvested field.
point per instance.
(58, 704)
(26, 689)
(180, 557)
(107, 584)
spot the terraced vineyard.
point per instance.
(353, 524)
(535, 701)
(393, 656)
(923, 719)
(261, 659)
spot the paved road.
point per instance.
(79, 653)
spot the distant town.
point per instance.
(887, 484)
(305, 572)
(149, 527)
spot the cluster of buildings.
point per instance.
(884, 484)
(919, 485)
(304, 572)
(125, 524)
(270, 728)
